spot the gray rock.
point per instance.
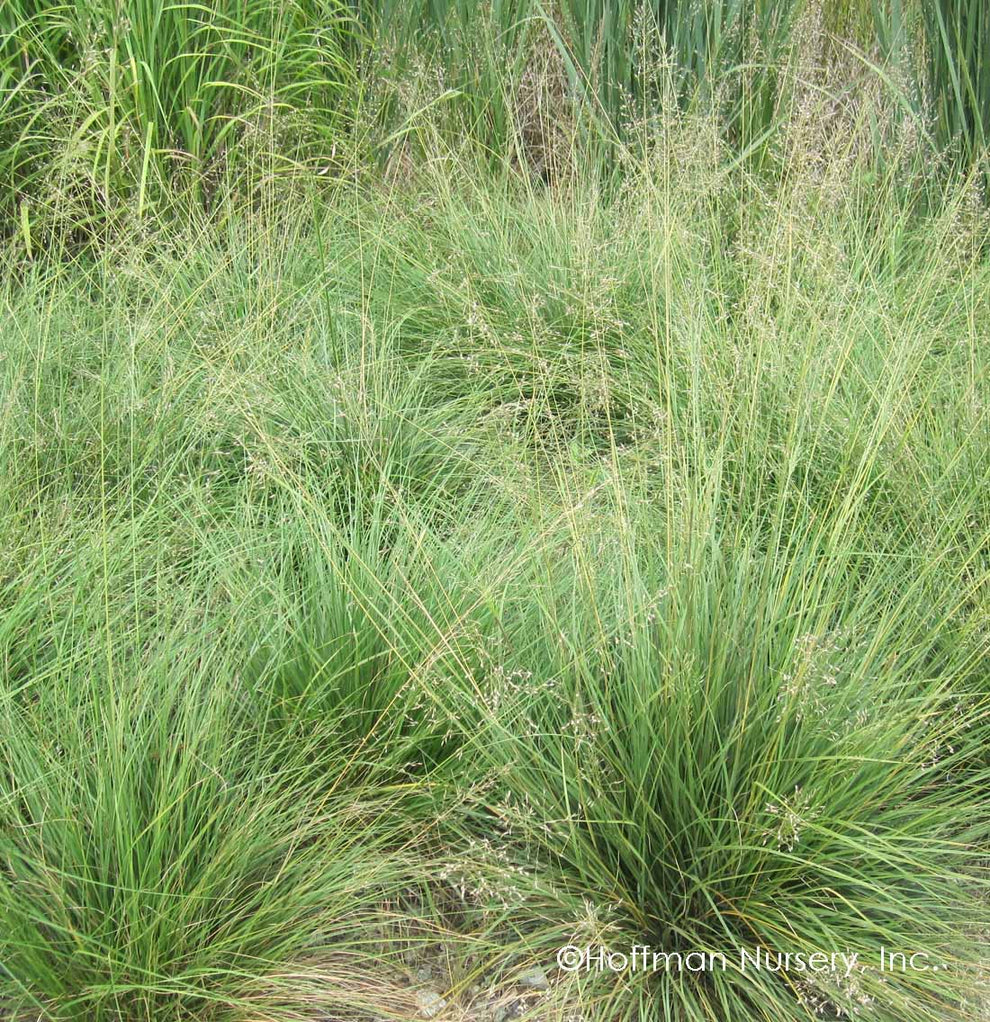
(430, 1003)
(534, 979)
(508, 1012)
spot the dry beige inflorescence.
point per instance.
(544, 112)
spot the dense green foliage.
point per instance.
(958, 47)
(106, 104)
(110, 107)
(563, 519)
